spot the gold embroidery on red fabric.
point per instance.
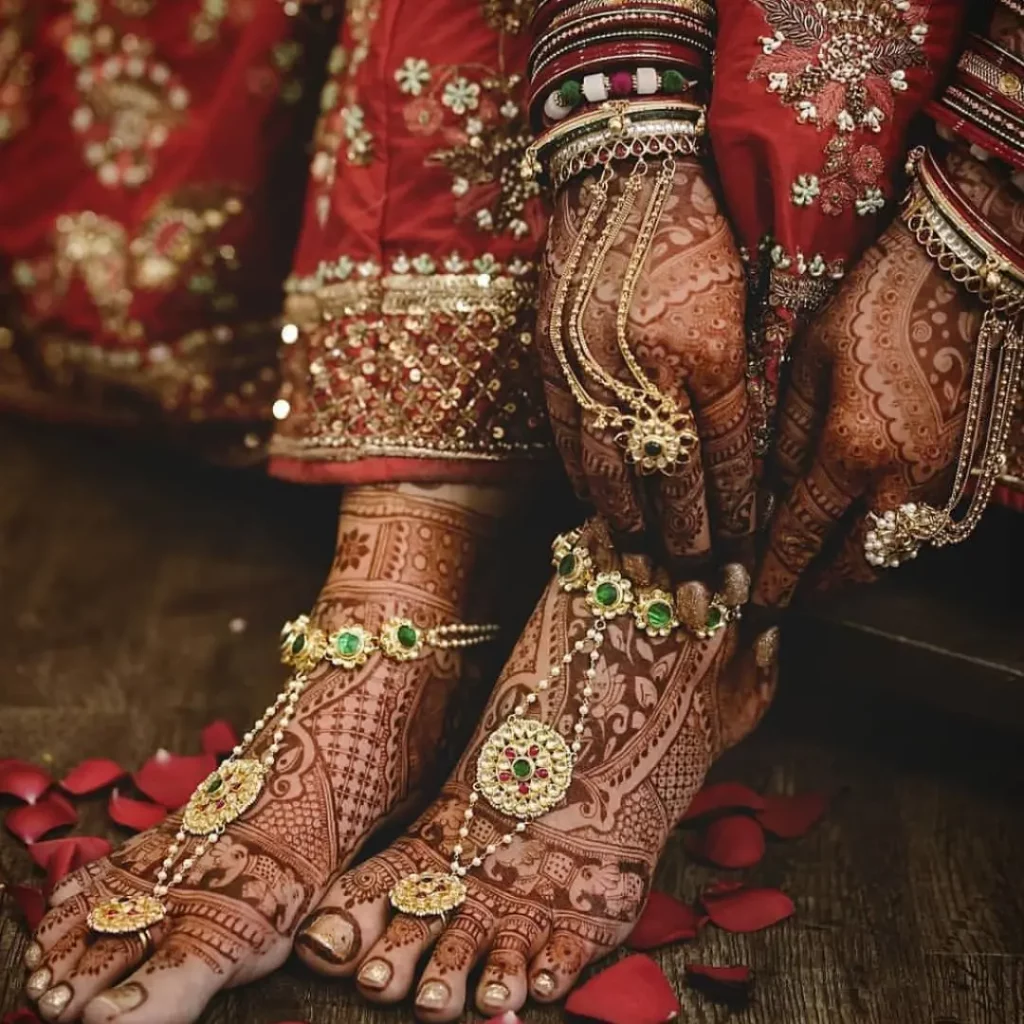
(16, 65)
(840, 65)
(417, 363)
(508, 16)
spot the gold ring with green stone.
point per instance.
(609, 594)
(655, 612)
(719, 616)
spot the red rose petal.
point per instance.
(790, 817)
(505, 1018)
(33, 821)
(26, 781)
(633, 991)
(733, 842)
(59, 857)
(20, 1017)
(219, 738)
(31, 902)
(664, 919)
(748, 910)
(170, 779)
(135, 814)
(92, 775)
(722, 885)
(732, 985)
(724, 796)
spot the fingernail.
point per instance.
(38, 982)
(433, 995)
(330, 936)
(375, 973)
(51, 1003)
(766, 648)
(121, 999)
(543, 983)
(496, 994)
(33, 955)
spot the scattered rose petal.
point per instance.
(748, 910)
(33, 821)
(790, 817)
(219, 738)
(20, 1017)
(135, 814)
(735, 841)
(731, 985)
(26, 781)
(506, 1018)
(632, 991)
(92, 775)
(723, 885)
(724, 796)
(664, 919)
(31, 902)
(59, 857)
(170, 779)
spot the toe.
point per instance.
(557, 966)
(350, 919)
(78, 882)
(57, 923)
(47, 984)
(441, 994)
(503, 982)
(386, 974)
(172, 987)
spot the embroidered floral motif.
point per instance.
(510, 16)
(413, 75)
(840, 64)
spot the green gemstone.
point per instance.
(299, 644)
(653, 449)
(715, 617)
(673, 82)
(607, 595)
(522, 768)
(567, 566)
(408, 636)
(214, 784)
(659, 614)
(349, 644)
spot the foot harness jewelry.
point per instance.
(525, 767)
(229, 791)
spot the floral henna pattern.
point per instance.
(361, 748)
(875, 409)
(686, 327)
(570, 887)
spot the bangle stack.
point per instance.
(984, 264)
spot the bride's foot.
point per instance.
(363, 745)
(567, 888)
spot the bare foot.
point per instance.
(362, 746)
(569, 887)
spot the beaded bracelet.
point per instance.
(598, 88)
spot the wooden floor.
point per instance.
(121, 571)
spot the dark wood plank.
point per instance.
(121, 570)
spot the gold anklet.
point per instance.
(234, 787)
(304, 646)
(524, 768)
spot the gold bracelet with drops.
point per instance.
(524, 768)
(232, 789)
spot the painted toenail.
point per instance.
(51, 1003)
(375, 973)
(496, 994)
(33, 955)
(331, 936)
(544, 983)
(119, 1000)
(433, 995)
(38, 982)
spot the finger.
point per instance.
(735, 587)
(62, 919)
(611, 481)
(727, 446)
(681, 507)
(693, 605)
(803, 408)
(78, 881)
(801, 527)
(46, 985)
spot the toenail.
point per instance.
(33, 955)
(51, 1003)
(375, 973)
(544, 983)
(121, 999)
(496, 994)
(331, 936)
(38, 982)
(433, 995)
